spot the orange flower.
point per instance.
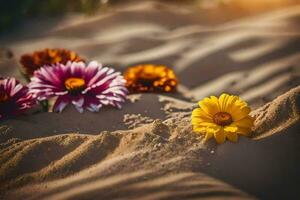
(150, 78)
(32, 62)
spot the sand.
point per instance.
(277, 116)
(162, 159)
(147, 150)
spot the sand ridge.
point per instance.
(277, 115)
(130, 163)
(134, 156)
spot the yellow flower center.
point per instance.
(222, 118)
(74, 84)
(3, 97)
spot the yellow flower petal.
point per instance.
(215, 100)
(245, 122)
(232, 136)
(231, 129)
(244, 131)
(197, 120)
(239, 130)
(223, 101)
(208, 136)
(209, 106)
(205, 128)
(220, 136)
(230, 103)
(199, 129)
(209, 124)
(199, 113)
(240, 103)
(240, 113)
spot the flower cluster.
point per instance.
(63, 76)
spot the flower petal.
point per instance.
(210, 106)
(246, 122)
(220, 136)
(230, 103)
(198, 115)
(223, 101)
(15, 97)
(232, 136)
(60, 104)
(239, 113)
(231, 128)
(208, 136)
(244, 131)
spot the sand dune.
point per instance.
(158, 160)
(150, 160)
(274, 117)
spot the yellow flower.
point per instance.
(223, 117)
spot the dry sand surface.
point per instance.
(162, 159)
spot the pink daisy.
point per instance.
(86, 87)
(14, 97)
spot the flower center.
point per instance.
(3, 97)
(222, 118)
(74, 84)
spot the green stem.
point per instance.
(45, 105)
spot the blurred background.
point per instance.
(14, 12)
